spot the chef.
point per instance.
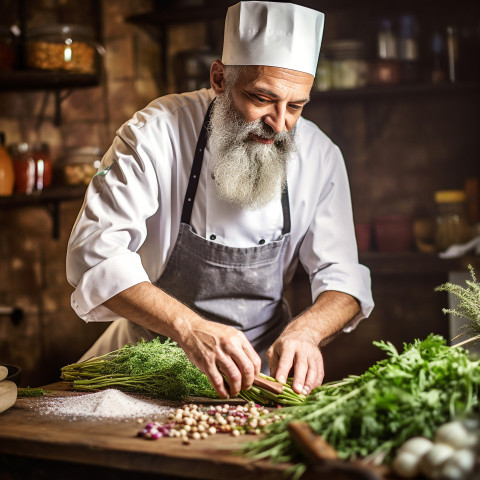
(205, 203)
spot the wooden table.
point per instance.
(63, 448)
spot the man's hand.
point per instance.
(215, 349)
(296, 349)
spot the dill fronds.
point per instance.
(468, 306)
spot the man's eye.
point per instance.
(295, 107)
(259, 99)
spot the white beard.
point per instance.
(247, 173)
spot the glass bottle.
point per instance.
(386, 40)
(7, 175)
(408, 50)
(451, 221)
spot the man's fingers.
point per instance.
(320, 371)
(272, 360)
(311, 378)
(232, 374)
(285, 364)
(243, 363)
(300, 373)
(217, 381)
(253, 357)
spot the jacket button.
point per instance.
(261, 242)
(213, 237)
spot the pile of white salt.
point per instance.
(105, 404)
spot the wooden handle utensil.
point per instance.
(269, 385)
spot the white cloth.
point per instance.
(129, 221)
(274, 34)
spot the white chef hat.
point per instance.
(273, 34)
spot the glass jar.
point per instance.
(451, 221)
(348, 64)
(68, 48)
(79, 165)
(33, 167)
(24, 167)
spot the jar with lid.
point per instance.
(68, 48)
(451, 220)
(348, 64)
(79, 165)
(24, 167)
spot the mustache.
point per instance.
(261, 129)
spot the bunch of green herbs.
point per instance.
(370, 415)
(159, 369)
(26, 392)
(468, 306)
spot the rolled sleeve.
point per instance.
(109, 278)
(102, 258)
(350, 278)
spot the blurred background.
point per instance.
(397, 88)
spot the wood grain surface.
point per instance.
(26, 431)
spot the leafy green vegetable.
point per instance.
(159, 369)
(468, 303)
(403, 395)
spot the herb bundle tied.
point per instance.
(160, 369)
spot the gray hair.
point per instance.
(233, 73)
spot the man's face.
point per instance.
(274, 95)
(252, 134)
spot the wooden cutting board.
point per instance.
(25, 431)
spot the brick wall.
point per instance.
(32, 263)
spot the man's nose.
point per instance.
(276, 118)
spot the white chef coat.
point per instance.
(128, 224)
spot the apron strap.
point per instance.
(196, 169)
(286, 211)
(195, 178)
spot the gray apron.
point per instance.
(240, 287)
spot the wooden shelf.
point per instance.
(50, 198)
(398, 91)
(216, 9)
(410, 263)
(49, 195)
(37, 80)
(415, 263)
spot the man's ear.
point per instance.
(217, 77)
